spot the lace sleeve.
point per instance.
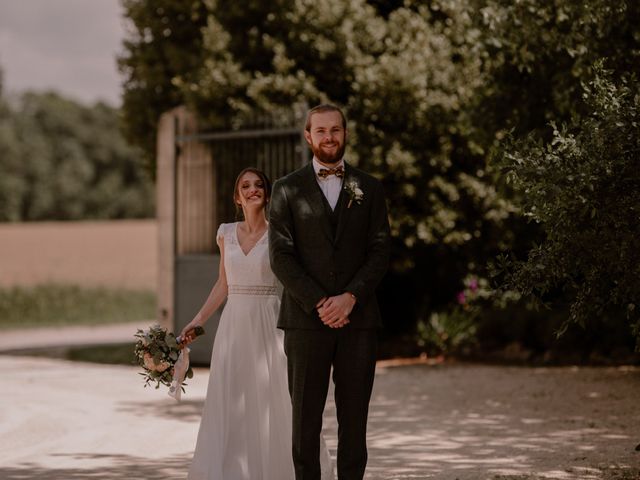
(222, 229)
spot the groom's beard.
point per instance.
(326, 157)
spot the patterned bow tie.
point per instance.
(325, 172)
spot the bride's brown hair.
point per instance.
(265, 182)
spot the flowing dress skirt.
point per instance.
(245, 433)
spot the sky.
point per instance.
(66, 45)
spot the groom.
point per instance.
(329, 246)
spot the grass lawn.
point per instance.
(113, 354)
(120, 354)
(57, 305)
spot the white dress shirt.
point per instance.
(330, 185)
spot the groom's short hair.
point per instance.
(325, 107)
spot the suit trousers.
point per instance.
(311, 354)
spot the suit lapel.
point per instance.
(316, 199)
(343, 201)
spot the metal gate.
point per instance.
(196, 171)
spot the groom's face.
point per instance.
(326, 137)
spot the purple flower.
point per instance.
(473, 284)
(462, 299)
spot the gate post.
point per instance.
(186, 212)
(166, 217)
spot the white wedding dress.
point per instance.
(245, 432)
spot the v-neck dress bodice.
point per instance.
(250, 272)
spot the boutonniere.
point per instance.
(353, 189)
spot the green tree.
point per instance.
(65, 161)
(162, 48)
(11, 184)
(583, 188)
(546, 88)
(537, 55)
(432, 90)
(407, 79)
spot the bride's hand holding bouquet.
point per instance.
(189, 333)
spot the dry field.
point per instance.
(106, 253)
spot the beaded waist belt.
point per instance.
(252, 290)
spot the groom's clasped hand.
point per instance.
(334, 311)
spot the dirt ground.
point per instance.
(70, 421)
(111, 253)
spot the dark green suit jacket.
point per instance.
(312, 263)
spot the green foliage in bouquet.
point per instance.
(157, 352)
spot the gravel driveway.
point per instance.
(61, 420)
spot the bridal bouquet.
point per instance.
(163, 358)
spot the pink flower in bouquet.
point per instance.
(461, 298)
(151, 365)
(473, 284)
(162, 366)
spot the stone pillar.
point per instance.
(166, 217)
(196, 206)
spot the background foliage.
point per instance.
(61, 160)
(583, 187)
(435, 90)
(50, 305)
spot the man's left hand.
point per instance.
(335, 309)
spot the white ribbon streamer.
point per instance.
(179, 372)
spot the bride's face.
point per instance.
(251, 192)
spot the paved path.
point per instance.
(61, 420)
(27, 339)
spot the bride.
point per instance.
(245, 432)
